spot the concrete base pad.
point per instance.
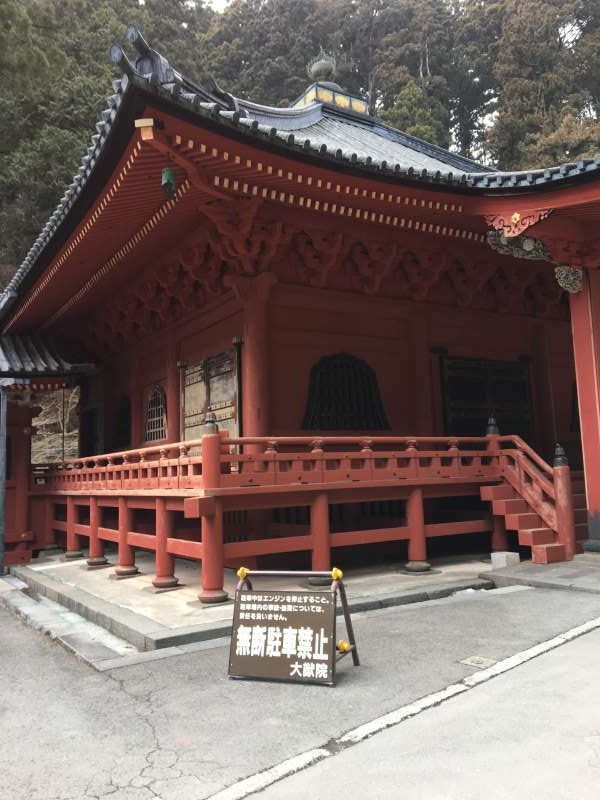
(114, 576)
(213, 596)
(591, 546)
(136, 612)
(417, 566)
(72, 555)
(582, 574)
(163, 589)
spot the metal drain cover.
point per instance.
(481, 662)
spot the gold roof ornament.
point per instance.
(321, 70)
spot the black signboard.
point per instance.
(287, 635)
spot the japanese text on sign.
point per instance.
(284, 635)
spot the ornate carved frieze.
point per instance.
(517, 223)
(210, 264)
(519, 246)
(314, 254)
(569, 278)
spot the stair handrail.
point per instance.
(554, 483)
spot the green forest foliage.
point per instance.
(513, 83)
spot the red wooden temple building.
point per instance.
(291, 327)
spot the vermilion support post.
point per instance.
(319, 531)
(96, 551)
(212, 525)
(165, 562)
(126, 567)
(73, 542)
(499, 536)
(563, 492)
(173, 397)
(585, 325)
(253, 293)
(417, 547)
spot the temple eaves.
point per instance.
(321, 131)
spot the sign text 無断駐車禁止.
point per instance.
(284, 635)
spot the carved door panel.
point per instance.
(211, 385)
(475, 388)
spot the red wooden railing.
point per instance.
(279, 461)
(214, 474)
(547, 490)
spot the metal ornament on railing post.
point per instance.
(210, 423)
(560, 457)
(492, 427)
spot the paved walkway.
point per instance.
(533, 732)
(135, 611)
(178, 727)
(582, 574)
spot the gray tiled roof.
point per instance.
(359, 138)
(319, 131)
(31, 356)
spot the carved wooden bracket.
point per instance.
(517, 223)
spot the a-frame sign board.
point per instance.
(289, 635)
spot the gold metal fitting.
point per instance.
(337, 574)
(343, 646)
(242, 573)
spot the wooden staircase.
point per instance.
(519, 516)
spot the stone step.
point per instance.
(512, 506)
(518, 522)
(548, 553)
(530, 537)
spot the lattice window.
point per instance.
(156, 416)
(343, 395)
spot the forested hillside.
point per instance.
(515, 83)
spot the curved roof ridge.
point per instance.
(152, 75)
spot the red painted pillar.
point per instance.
(563, 493)
(417, 547)
(254, 294)
(73, 541)
(213, 556)
(422, 389)
(319, 531)
(165, 562)
(499, 536)
(173, 397)
(96, 552)
(585, 324)
(136, 400)
(126, 567)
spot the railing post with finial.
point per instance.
(213, 554)
(492, 433)
(563, 496)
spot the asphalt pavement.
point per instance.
(179, 728)
(533, 732)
